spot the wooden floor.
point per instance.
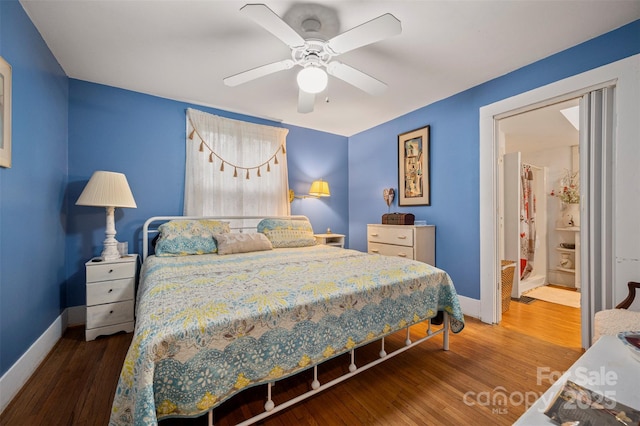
(551, 322)
(423, 386)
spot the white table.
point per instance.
(607, 368)
(336, 240)
(110, 295)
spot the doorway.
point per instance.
(539, 167)
(599, 287)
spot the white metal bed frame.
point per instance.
(238, 224)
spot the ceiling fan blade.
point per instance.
(271, 22)
(356, 78)
(377, 29)
(258, 72)
(305, 102)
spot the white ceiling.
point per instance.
(540, 129)
(183, 49)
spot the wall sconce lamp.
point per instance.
(319, 188)
(109, 190)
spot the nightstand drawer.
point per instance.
(391, 250)
(110, 291)
(397, 235)
(111, 271)
(111, 313)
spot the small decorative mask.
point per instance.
(388, 194)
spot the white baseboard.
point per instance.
(76, 315)
(12, 381)
(470, 307)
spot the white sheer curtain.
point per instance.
(240, 148)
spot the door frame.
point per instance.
(621, 73)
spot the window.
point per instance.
(234, 168)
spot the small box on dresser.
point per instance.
(417, 242)
(110, 296)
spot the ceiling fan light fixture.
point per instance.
(312, 79)
(310, 31)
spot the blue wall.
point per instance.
(314, 155)
(32, 217)
(455, 152)
(143, 137)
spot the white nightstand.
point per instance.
(336, 240)
(110, 295)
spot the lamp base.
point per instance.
(110, 251)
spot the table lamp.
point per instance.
(109, 190)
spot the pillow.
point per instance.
(241, 243)
(287, 232)
(183, 237)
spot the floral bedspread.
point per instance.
(208, 326)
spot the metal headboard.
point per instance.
(236, 223)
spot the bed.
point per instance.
(263, 304)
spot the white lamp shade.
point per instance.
(107, 189)
(320, 188)
(312, 79)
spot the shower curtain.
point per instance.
(527, 222)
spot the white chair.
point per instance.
(613, 321)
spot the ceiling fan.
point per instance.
(315, 55)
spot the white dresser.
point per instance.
(410, 241)
(110, 296)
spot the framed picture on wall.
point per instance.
(413, 168)
(5, 113)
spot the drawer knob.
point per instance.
(110, 290)
(374, 251)
(110, 312)
(402, 237)
(402, 255)
(374, 235)
(110, 270)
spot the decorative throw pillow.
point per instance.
(241, 243)
(287, 232)
(183, 237)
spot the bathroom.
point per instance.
(540, 207)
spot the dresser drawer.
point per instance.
(111, 271)
(391, 250)
(110, 291)
(397, 235)
(110, 313)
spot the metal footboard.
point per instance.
(271, 409)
